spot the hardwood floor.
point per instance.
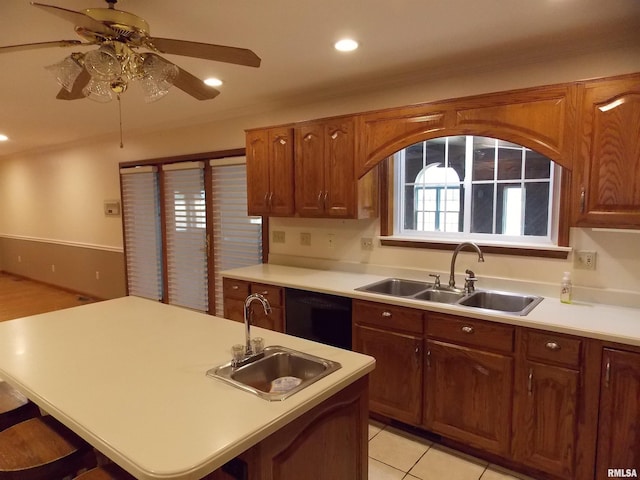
(20, 297)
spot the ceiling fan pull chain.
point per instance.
(120, 114)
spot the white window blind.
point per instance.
(237, 237)
(186, 236)
(141, 210)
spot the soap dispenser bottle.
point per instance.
(565, 288)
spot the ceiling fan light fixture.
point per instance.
(103, 64)
(158, 76)
(67, 71)
(98, 91)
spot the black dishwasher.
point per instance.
(319, 317)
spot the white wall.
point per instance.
(58, 194)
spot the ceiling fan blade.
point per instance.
(76, 90)
(33, 46)
(207, 51)
(194, 86)
(79, 19)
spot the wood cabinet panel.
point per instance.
(396, 382)
(546, 418)
(468, 395)
(468, 331)
(273, 294)
(388, 316)
(619, 420)
(238, 289)
(607, 182)
(235, 293)
(554, 348)
(270, 171)
(309, 170)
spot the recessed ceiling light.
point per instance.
(213, 82)
(3, 138)
(346, 45)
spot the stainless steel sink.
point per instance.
(501, 302)
(488, 300)
(277, 374)
(440, 296)
(396, 287)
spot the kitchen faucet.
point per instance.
(247, 318)
(452, 278)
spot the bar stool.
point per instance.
(41, 448)
(109, 471)
(14, 407)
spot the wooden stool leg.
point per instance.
(14, 407)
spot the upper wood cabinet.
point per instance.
(270, 171)
(324, 169)
(540, 118)
(606, 189)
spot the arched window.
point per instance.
(479, 188)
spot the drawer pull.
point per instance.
(235, 287)
(467, 329)
(553, 346)
(386, 314)
(264, 293)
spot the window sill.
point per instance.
(544, 251)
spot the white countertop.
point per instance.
(129, 376)
(599, 321)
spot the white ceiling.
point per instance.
(294, 38)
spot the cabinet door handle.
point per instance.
(266, 198)
(429, 358)
(324, 201)
(553, 346)
(320, 199)
(607, 373)
(583, 195)
(530, 382)
(417, 354)
(270, 199)
(386, 313)
(467, 329)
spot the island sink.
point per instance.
(276, 374)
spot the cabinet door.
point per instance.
(395, 387)
(309, 170)
(258, 188)
(340, 182)
(281, 201)
(619, 420)
(546, 418)
(607, 186)
(274, 321)
(468, 395)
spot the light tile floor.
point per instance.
(397, 455)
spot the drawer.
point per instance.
(487, 335)
(388, 316)
(238, 289)
(273, 294)
(551, 347)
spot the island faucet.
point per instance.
(452, 278)
(247, 317)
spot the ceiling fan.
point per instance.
(108, 70)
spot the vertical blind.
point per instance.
(186, 236)
(237, 238)
(141, 210)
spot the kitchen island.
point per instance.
(129, 376)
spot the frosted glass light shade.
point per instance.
(66, 72)
(157, 78)
(99, 91)
(103, 64)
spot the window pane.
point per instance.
(409, 215)
(482, 209)
(536, 165)
(536, 218)
(509, 210)
(483, 159)
(509, 164)
(457, 153)
(413, 161)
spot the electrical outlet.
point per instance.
(366, 243)
(305, 239)
(278, 236)
(586, 259)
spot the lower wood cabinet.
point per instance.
(393, 336)
(547, 399)
(235, 293)
(468, 389)
(619, 419)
